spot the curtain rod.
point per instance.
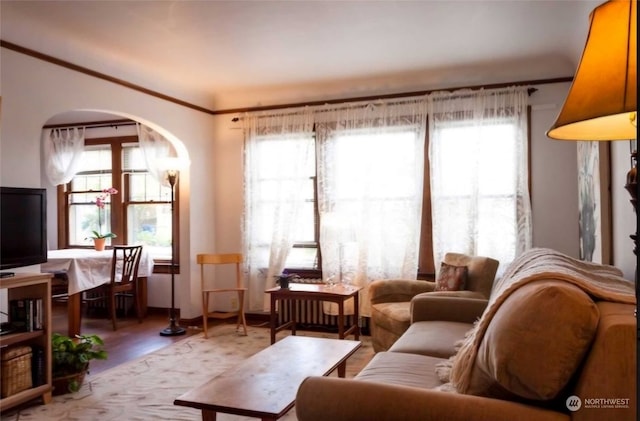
(392, 96)
(91, 124)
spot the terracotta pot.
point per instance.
(67, 384)
(99, 243)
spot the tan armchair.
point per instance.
(391, 298)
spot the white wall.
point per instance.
(554, 175)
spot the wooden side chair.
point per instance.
(208, 290)
(124, 281)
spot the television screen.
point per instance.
(23, 226)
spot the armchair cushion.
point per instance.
(451, 278)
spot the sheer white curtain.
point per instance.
(154, 146)
(370, 179)
(278, 166)
(62, 153)
(479, 173)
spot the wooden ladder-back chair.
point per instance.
(207, 290)
(124, 281)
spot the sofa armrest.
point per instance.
(397, 290)
(465, 307)
(338, 399)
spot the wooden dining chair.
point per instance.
(209, 290)
(123, 282)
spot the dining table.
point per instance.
(87, 269)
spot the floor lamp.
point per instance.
(601, 104)
(172, 167)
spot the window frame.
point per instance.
(119, 204)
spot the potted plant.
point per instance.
(99, 239)
(285, 278)
(71, 358)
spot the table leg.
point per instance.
(47, 397)
(74, 313)
(292, 314)
(208, 415)
(142, 292)
(273, 319)
(342, 369)
(341, 319)
(356, 315)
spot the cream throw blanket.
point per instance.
(600, 281)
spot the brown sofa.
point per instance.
(550, 347)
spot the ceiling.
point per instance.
(218, 54)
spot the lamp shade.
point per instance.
(601, 104)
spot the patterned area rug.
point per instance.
(144, 389)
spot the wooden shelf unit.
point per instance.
(30, 285)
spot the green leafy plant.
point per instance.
(72, 355)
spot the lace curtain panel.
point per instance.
(278, 165)
(154, 146)
(62, 153)
(479, 172)
(370, 177)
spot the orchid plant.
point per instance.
(100, 202)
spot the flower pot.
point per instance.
(67, 384)
(99, 243)
(284, 283)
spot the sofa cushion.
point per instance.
(402, 369)
(394, 317)
(451, 277)
(433, 338)
(535, 342)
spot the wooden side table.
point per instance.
(316, 292)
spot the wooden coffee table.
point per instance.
(265, 385)
(316, 292)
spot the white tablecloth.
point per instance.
(87, 268)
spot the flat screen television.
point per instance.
(23, 227)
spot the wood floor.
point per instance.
(132, 339)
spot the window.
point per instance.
(140, 213)
(147, 206)
(393, 149)
(490, 198)
(276, 181)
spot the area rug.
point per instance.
(145, 389)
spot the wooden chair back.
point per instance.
(205, 259)
(125, 264)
